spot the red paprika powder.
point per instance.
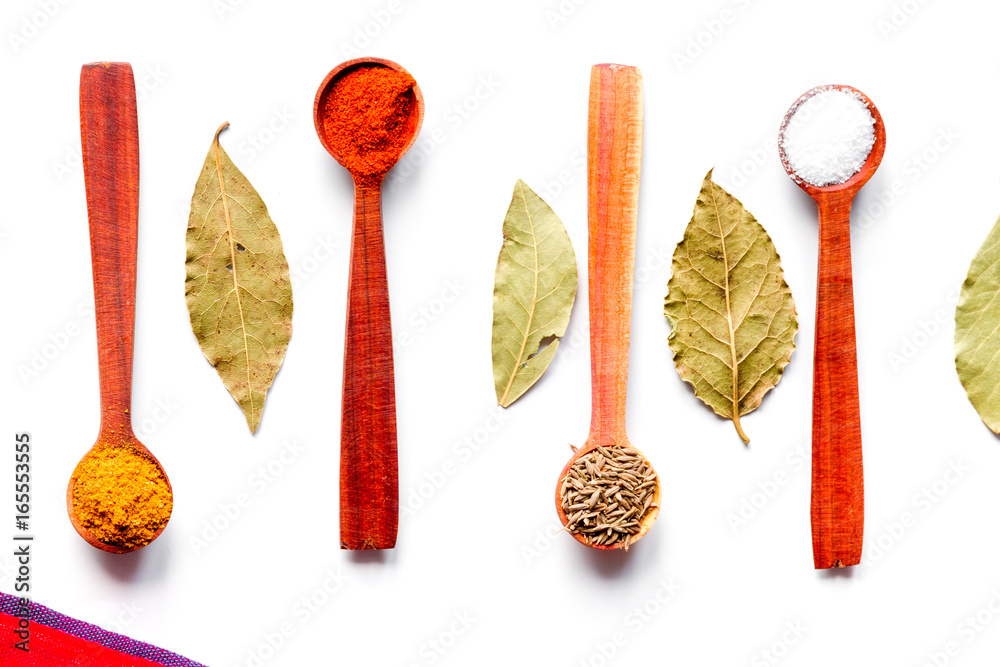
(366, 119)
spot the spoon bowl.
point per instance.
(367, 136)
(128, 443)
(867, 170)
(644, 524)
(413, 122)
(837, 504)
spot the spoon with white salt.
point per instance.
(831, 142)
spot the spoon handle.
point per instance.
(110, 142)
(369, 484)
(837, 476)
(614, 157)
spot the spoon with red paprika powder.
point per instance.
(367, 113)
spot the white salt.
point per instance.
(828, 137)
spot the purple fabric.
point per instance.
(9, 604)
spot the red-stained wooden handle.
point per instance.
(110, 141)
(614, 156)
(369, 481)
(838, 508)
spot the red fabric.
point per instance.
(54, 648)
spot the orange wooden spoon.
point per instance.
(369, 483)
(110, 134)
(614, 156)
(838, 505)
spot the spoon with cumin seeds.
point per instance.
(608, 495)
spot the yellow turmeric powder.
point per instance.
(121, 496)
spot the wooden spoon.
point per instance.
(369, 484)
(614, 156)
(838, 505)
(110, 133)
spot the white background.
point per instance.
(480, 575)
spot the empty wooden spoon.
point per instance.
(108, 506)
(837, 472)
(614, 156)
(354, 131)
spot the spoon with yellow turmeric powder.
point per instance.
(119, 498)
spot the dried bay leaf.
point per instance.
(533, 293)
(238, 289)
(977, 331)
(731, 313)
